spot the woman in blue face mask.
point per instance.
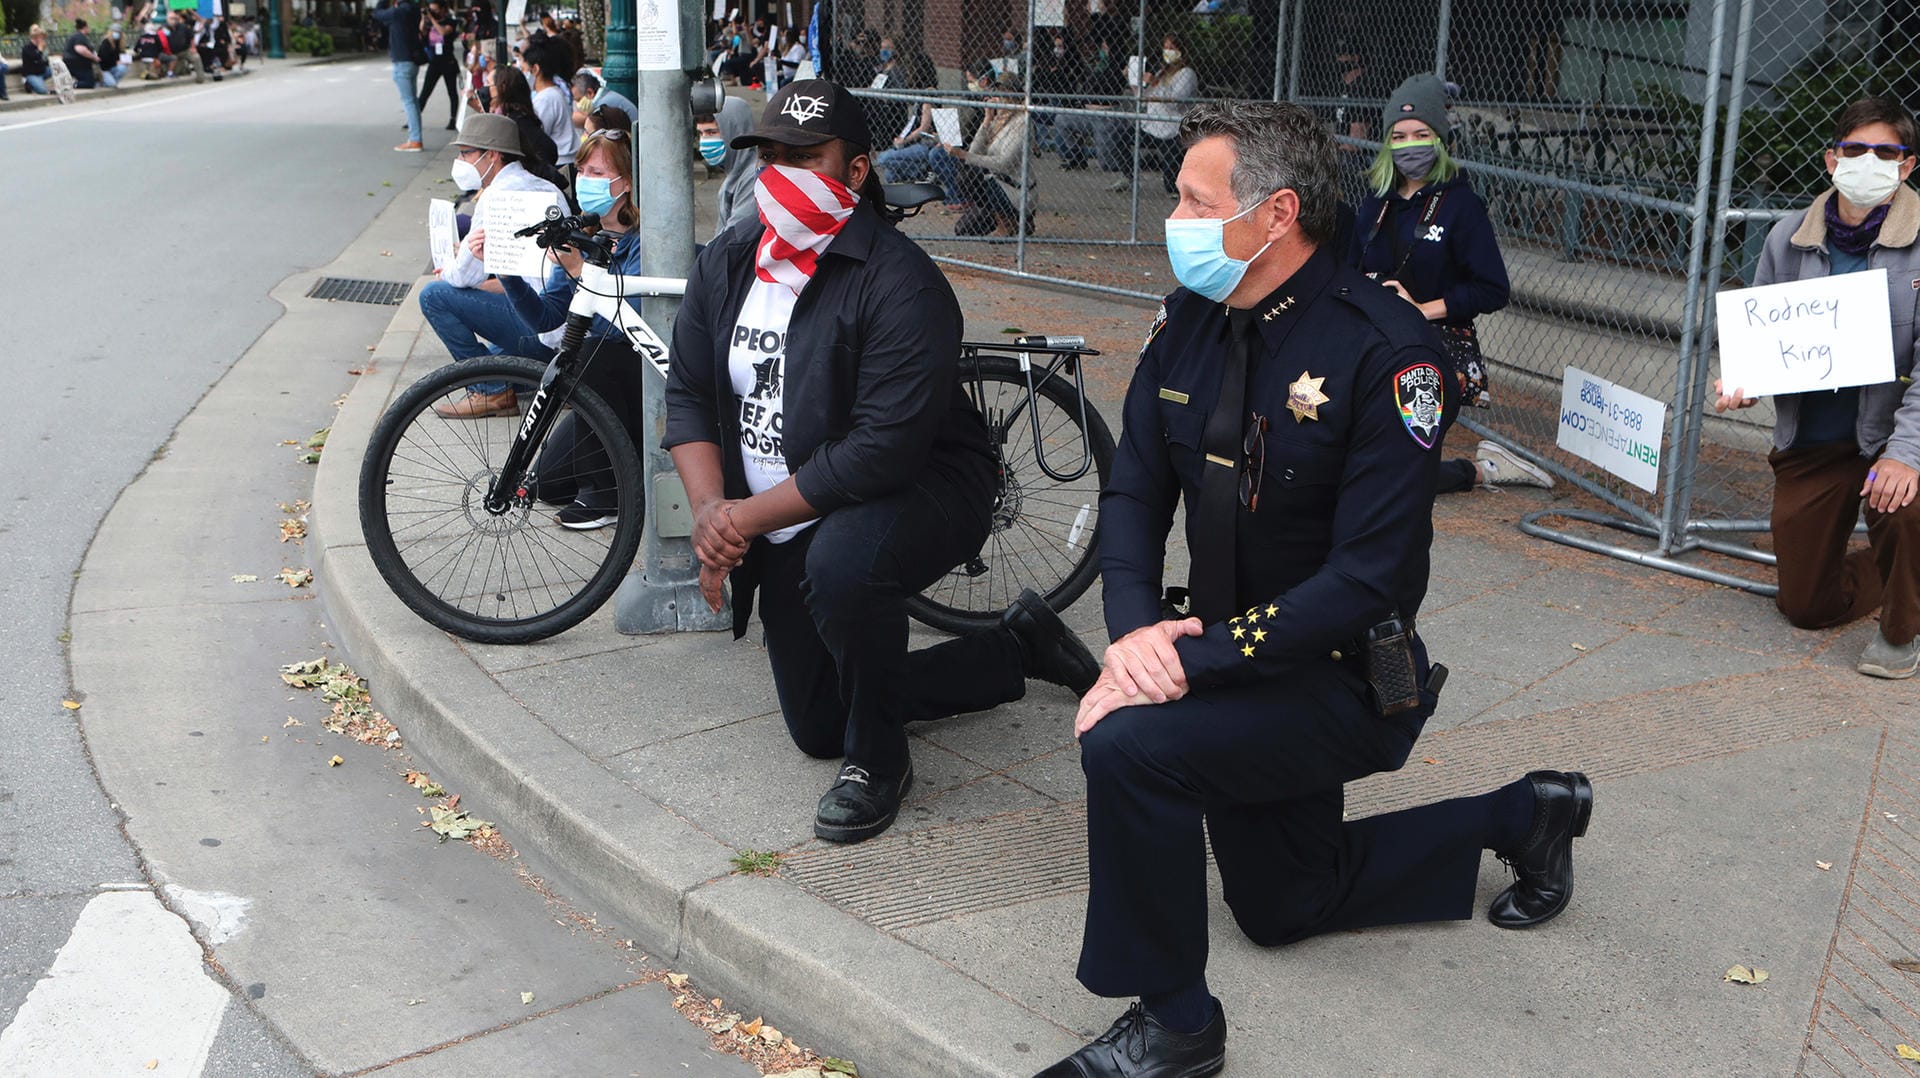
(1423, 233)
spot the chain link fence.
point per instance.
(1632, 155)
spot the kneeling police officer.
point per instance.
(1297, 409)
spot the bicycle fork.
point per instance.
(510, 487)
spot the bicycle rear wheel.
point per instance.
(1044, 529)
(514, 576)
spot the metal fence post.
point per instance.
(1690, 320)
(1681, 502)
(1281, 38)
(1293, 64)
(1026, 145)
(1440, 41)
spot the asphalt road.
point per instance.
(143, 238)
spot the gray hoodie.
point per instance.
(743, 167)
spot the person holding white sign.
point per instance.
(1832, 449)
(466, 308)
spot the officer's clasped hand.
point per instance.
(1141, 667)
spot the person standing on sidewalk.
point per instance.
(1423, 233)
(402, 21)
(835, 465)
(1832, 449)
(1296, 409)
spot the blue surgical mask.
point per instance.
(713, 150)
(1197, 248)
(595, 194)
(885, 55)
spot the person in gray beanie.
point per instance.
(1423, 232)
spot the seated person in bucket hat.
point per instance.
(466, 308)
(1833, 449)
(834, 464)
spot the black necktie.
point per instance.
(1210, 583)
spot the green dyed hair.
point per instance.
(1381, 177)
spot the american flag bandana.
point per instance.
(803, 211)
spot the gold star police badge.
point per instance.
(1304, 397)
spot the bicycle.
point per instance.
(468, 520)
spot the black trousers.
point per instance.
(833, 601)
(1262, 765)
(574, 466)
(442, 69)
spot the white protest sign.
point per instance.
(502, 213)
(1136, 68)
(805, 71)
(442, 242)
(946, 123)
(516, 12)
(770, 71)
(1616, 428)
(1820, 333)
(656, 35)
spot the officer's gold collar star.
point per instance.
(1304, 397)
(1283, 305)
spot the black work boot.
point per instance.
(859, 806)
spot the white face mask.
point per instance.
(1866, 181)
(466, 176)
(1171, 56)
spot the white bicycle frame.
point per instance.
(611, 296)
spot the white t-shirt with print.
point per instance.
(757, 361)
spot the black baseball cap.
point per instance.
(808, 113)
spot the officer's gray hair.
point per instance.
(1277, 145)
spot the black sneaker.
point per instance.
(582, 518)
(859, 806)
(1048, 649)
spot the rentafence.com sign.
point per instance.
(1821, 333)
(1613, 427)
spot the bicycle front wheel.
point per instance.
(1045, 529)
(536, 567)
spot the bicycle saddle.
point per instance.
(911, 196)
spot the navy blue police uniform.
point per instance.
(1331, 537)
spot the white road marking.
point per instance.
(129, 987)
(91, 113)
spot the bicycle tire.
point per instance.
(1055, 556)
(549, 578)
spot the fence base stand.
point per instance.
(1531, 524)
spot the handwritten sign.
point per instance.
(1821, 333)
(1616, 428)
(946, 123)
(502, 213)
(442, 243)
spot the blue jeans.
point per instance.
(904, 164)
(403, 79)
(1112, 140)
(461, 317)
(36, 84)
(946, 169)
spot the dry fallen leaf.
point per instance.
(291, 721)
(246, 578)
(153, 1063)
(526, 999)
(296, 578)
(1907, 1051)
(1743, 975)
(1824, 866)
(70, 705)
(771, 1035)
(678, 980)
(335, 762)
(292, 528)
(752, 1029)
(1906, 965)
(1428, 760)
(1579, 647)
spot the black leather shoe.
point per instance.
(1048, 649)
(1543, 867)
(859, 806)
(1139, 1047)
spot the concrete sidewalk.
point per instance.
(1732, 755)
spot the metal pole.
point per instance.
(1694, 402)
(1280, 39)
(618, 71)
(276, 29)
(1026, 145)
(1293, 64)
(662, 594)
(1440, 44)
(1690, 311)
(1139, 91)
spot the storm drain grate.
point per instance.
(389, 293)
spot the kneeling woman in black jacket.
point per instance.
(834, 464)
(1422, 232)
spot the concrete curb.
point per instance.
(769, 947)
(22, 102)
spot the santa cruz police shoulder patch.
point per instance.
(1420, 394)
(1159, 320)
